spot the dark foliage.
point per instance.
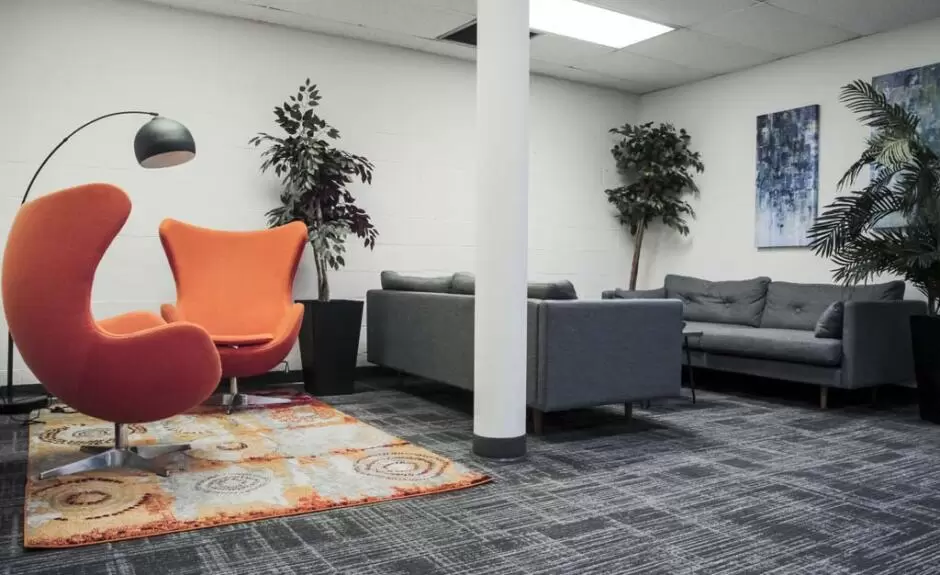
(657, 162)
(315, 174)
(905, 180)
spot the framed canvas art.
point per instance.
(787, 176)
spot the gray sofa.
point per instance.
(769, 328)
(580, 353)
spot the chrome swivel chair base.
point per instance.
(142, 458)
(236, 400)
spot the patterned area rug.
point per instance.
(250, 465)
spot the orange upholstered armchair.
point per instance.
(238, 286)
(132, 368)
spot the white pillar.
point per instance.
(502, 126)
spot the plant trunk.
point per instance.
(323, 283)
(637, 246)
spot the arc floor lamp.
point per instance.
(160, 143)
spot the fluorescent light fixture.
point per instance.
(591, 23)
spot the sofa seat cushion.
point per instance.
(799, 306)
(736, 302)
(794, 345)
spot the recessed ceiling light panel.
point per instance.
(591, 23)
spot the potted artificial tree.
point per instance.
(905, 180)
(316, 175)
(657, 163)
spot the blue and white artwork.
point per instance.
(918, 90)
(787, 176)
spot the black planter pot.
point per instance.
(925, 332)
(329, 345)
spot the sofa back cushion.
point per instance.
(464, 283)
(562, 289)
(618, 293)
(738, 302)
(399, 282)
(799, 306)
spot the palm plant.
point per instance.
(658, 163)
(905, 180)
(315, 175)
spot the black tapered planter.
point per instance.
(925, 331)
(329, 345)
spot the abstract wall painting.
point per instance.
(787, 176)
(918, 90)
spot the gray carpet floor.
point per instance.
(733, 484)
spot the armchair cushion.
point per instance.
(245, 339)
(130, 322)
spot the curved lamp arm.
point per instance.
(67, 138)
(160, 143)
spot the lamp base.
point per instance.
(22, 404)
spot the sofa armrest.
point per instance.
(424, 334)
(602, 352)
(876, 342)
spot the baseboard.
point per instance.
(265, 379)
(27, 389)
(272, 378)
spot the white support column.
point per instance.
(502, 190)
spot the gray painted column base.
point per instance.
(499, 447)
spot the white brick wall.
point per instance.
(65, 61)
(721, 115)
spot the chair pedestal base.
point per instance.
(234, 399)
(242, 401)
(143, 458)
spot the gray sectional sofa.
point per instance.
(768, 328)
(580, 353)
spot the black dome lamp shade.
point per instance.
(162, 143)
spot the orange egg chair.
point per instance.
(238, 286)
(133, 368)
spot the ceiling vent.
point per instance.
(467, 34)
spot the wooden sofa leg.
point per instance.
(538, 422)
(823, 397)
(628, 410)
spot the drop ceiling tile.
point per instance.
(699, 50)
(333, 27)
(464, 6)
(865, 16)
(577, 75)
(405, 16)
(565, 51)
(673, 12)
(452, 49)
(774, 30)
(656, 74)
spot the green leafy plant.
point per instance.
(315, 174)
(658, 164)
(905, 180)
